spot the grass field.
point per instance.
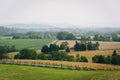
(104, 45)
(25, 43)
(5, 37)
(15, 72)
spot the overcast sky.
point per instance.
(76, 12)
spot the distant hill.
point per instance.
(21, 28)
(6, 31)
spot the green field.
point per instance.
(15, 72)
(25, 43)
(5, 37)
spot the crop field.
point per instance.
(104, 45)
(90, 54)
(25, 43)
(15, 72)
(94, 66)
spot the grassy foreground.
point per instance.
(15, 72)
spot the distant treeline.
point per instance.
(6, 31)
(99, 37)
(106, 34)
(34, 35)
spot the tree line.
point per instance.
(34, 35)
(86, 37)
(113, 59)
(101, 37)
(53, 55)
(83, 46)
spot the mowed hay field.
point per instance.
(25, 43)
(104, 45)
(94, 66)
(106, 49)
(16, 72)
(90, 54)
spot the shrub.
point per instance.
(27, 54)
(42, 56)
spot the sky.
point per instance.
(75, 12)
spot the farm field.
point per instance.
(25, 43)
(15, 72)
(94, 66)
(5, 37)
(90, 54)
(104, 45)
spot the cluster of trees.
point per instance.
(86, 46)
(81, 58)
(5, 49)
(113, 59)
(101, 37)
(54, 55)
(54, 47)
(50, 48)
(65, 36)
(111, 37)
(64, 46)
(26, 54)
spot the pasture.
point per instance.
(15, 72)
(25, 43)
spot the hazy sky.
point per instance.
(77, 12)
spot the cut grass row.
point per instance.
(92, 66)
(15, 72)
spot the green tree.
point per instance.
(42, 56)
(77, 46)
(53, 47)
(45, 49)
(84, 59)
(114, 53)
(115, 37)
(96, 37)
(3, 52)
(90, 46)
(27, 54)
(65, 36)
(115, 60)
(63, 45)
(67, 49)
(98, 59)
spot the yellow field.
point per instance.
(104, 45)
(12, 54)
(73, 64)
(90, 54)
